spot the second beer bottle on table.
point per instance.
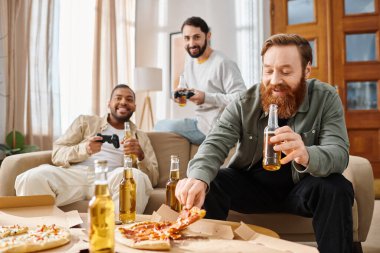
(271, 158)
(127, 193)
(128, 135)
(171, 200)
(101, 213)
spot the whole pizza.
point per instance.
(24, 239)
(152, 235)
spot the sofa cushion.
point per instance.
(157, 198)
(167, 144)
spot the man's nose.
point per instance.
(123, 101)
(191, 42)
(276, 78)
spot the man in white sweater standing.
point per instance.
(213, 79)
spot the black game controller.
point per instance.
(114, 139)
(187, 93)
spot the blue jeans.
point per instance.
(185, 127)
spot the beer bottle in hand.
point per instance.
(271, 158)
(128, 135)
(101, 213)
(182, 94)
(171, 199)
(127, 193)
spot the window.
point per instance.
(76, 40)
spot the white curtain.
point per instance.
(114, 49)
(96, 53)
(253, 28)
(3, 68)
(32, 80)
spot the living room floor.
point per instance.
(371, 245)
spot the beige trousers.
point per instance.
(77, 183)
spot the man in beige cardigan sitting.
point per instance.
(72, 177)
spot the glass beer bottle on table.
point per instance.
(127, 135)
(127, 193)
(171, 199)
(271, 158)
(101, 213)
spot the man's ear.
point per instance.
(308, 70)
(208, 36)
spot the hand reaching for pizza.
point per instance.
(191, 192)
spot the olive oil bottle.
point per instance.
(101, 213)
(171, 199)
(128, 135)
(271, 158)
(127, 193)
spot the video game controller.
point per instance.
(114, 139)
(187, 93)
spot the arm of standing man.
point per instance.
(232, 84)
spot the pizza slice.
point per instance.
(186, 218)
(36, 239)
(6, 231)
(147, 235)
(150, 235)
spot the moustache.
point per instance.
(278, 87)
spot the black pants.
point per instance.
(328, 200)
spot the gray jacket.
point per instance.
(319, 121)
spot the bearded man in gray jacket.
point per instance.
(312, 138)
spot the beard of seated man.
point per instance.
(288, 104)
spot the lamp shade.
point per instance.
(148, 79)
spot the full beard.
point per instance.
(201, 50)
(288, 104)
(121, 118)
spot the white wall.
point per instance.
(156, 19)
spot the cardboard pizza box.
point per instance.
(249, 235)
(212, 236)
(35, 210)
(40, 209)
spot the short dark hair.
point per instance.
(283, 39)
(196, 22)
(123, 86)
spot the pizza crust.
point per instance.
(6, 231)
(147, 245)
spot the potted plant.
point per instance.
(15, 144)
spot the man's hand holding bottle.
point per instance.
(131, 146)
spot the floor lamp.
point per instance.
(147, 79)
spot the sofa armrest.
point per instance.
(360, 174)
(14, 165)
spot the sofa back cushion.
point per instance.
(166, 144)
